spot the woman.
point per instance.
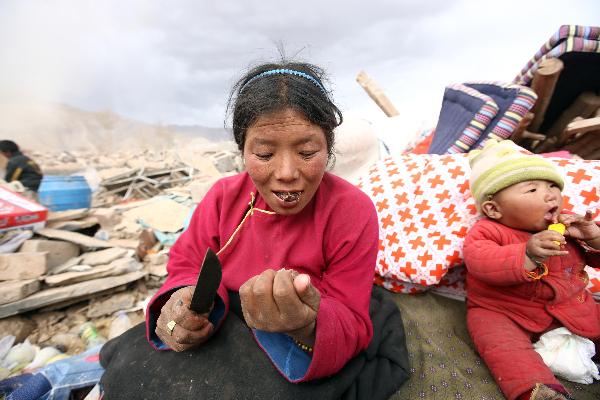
(297, 243)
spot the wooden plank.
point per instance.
(533, 136)
(375, 93)
(583, 145)
(543, 84)
(585, 105)
(121, 179)
(171, 181)
(71, 292)
(581, 126)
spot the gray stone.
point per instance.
(103, 257)
(16, 266)
(16, 290)
(58, 251)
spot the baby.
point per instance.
(523, 279)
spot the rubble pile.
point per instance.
(101, 265)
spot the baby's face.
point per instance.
(529, 205)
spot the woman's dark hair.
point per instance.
(253, 97)
(9, 146)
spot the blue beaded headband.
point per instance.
(285, 71)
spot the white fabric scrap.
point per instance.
(568, 355)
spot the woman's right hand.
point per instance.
(191, 329)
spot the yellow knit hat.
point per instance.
(502, 164)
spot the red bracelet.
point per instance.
(540, 270)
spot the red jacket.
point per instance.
(495, 254)
(333, 239)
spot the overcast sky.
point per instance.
(174, 61)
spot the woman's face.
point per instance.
(286, 157)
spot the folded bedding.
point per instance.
(464, 117)
(513, 101)
(473, 112)
(425, 209)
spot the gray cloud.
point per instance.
(174, 61)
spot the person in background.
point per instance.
(20, 167)
(524, 279)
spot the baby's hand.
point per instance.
(545, 244)
(580, 227)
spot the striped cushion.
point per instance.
(465, 115)
(514, 101)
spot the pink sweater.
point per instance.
(333, 239)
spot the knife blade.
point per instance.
(208, 283)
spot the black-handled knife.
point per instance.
(208, 283)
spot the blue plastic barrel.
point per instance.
(58, 193)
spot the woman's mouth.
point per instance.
(288, 197)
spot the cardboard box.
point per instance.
(17, 211)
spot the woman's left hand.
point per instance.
(281, 301)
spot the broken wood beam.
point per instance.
(375, 93)
(533, 136)
(583, 145)
(543, 84)
(79, 291)
(518, 135)
(582, 126)
(585, 105)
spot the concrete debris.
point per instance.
(159, 270)
(73, 225)
(68, 215)
(16, 290)
(108, 305)
(106, 217)
(77, 291)
(100, 271)
(67, 342)
(164, 214)
(102, 264)
(82, 240)
(15, 266)
(58, 252)
(101, 257)
(158, 259)
(18, 326)
(226, 162)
